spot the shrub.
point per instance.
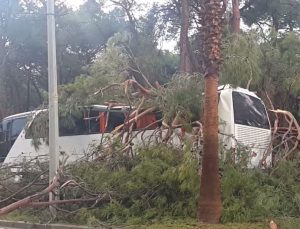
(160, 182)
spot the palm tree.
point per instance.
(210, 194)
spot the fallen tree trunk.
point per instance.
(285, 135)
(30, 199)
(55, 202)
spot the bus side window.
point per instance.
(77, 128)
(93, 122)
(148, 120)
(115, 119)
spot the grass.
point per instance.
(283, 223)
(192, 224)
(202, 226)
(166, 224)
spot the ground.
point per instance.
(283, 223)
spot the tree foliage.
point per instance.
(160, 182)
(277, 14)
(81, 35)
(242, 56)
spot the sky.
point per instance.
(76, 3)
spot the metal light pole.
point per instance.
(53, 96)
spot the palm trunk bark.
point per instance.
(210, 204)
(210, 193)
(236, 16)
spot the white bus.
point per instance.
(243, 121)
(75, 142)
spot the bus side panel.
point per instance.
(257, 141)
(71, 148)
(226, 119)
(77, 147)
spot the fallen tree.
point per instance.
(27, 201)
(177, 101)
(286, 135)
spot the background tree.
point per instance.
(185, 56)
(128, 6)
(236, 16)
(242, 60)
(277, 14)
(81, 35)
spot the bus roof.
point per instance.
(20, 115)
(99, 108)
(238, 89)
(104, 108)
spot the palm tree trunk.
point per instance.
(210, 193)
(210, 204)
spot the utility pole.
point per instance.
(53, 96)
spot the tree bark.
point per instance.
(38, 92)
(30, 199)
(210, 204)
(275, 22)
(127, 5)
(210, 193)
(56, 202)
(185, 57)
(236, 16)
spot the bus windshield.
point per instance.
(249, 111)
